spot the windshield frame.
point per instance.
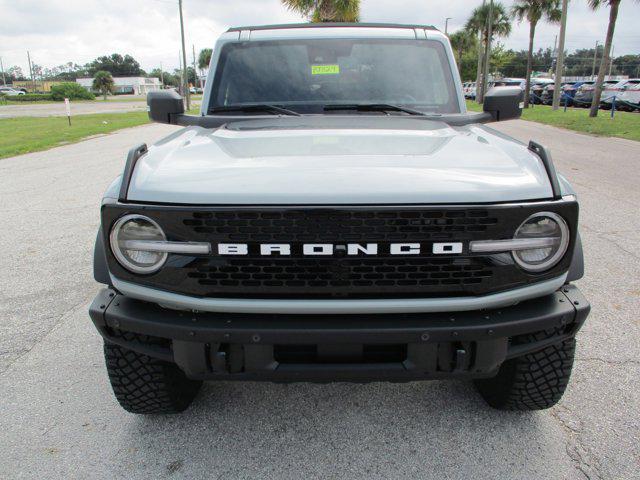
(449, 70)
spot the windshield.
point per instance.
(306, 75)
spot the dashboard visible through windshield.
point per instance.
(321, 75)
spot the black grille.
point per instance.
(338, 275)
(353, 275)
(339, 225)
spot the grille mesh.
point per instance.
(340, 225)
(339, 273)
(338, 276)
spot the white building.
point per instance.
(131, 85)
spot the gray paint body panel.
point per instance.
(391, 165)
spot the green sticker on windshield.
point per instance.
(325, 69)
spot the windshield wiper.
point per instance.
(374, 107)
(253, 108)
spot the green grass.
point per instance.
(623, 125)
(31, 134)
(111, 98)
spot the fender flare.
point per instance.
(100, 268)
(576, 270)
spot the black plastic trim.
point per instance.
(132, 158)
(197, 336)
(545, 156)
(100, 267)
(217, 121)
(576, 270)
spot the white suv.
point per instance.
(10, 92)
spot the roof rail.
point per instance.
(330, 24)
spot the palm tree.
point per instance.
(461, 41)
(103, 81)
(534, 11)
(614, 5)
(326, 10)
(204, 58)
(479, 23)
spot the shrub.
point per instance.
(72, 91)
(29, 97)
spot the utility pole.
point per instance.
(4, 80)
(611, 60)
(184, 59)
(181, 88)
(560, 61)
(446, 25)
(554, 56)
(195, 70)
(30, 70)
(161, 75)
(479, 70)
(595, 57)
(487, 53)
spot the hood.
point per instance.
(341, 160)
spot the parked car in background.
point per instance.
(616, 90)
(584, 93)
(547, 92)
(629, 100)
(469, 90)
(570, 93)
(537, 89)
(510, 82)
(10, 91)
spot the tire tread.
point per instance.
(146, 385)
(534, 381)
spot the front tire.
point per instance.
(532, 382)
(146, 385)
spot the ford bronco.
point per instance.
(334, 213)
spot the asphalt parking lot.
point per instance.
(60, 420)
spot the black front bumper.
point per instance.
(398, 347)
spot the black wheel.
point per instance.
(532, 382)
(143, 384)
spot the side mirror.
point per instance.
(163, 105)
(504, 103)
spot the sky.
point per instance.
(58, 31)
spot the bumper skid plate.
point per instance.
(397, 347)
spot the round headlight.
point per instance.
(129, 230)
(550, 232)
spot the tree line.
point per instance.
(116, 64)
(513, 63)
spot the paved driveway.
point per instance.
(59, 419)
